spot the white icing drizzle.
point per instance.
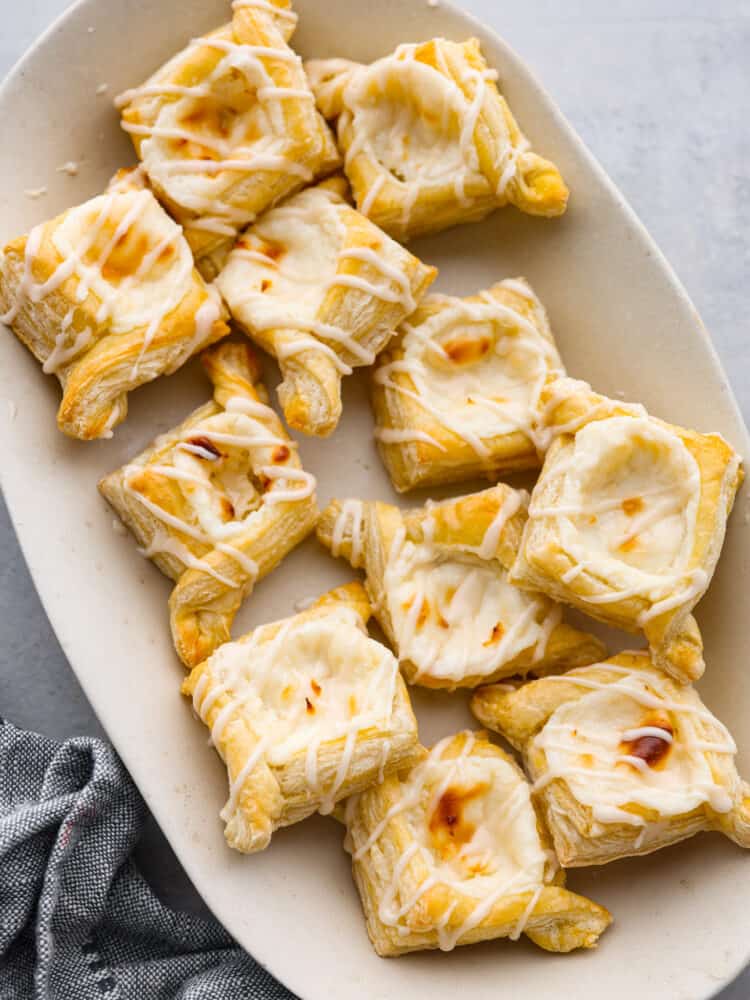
(398, 435)
(498, 391)
(372, 194)
(316, 681)
(350, 520)
(506, 812)
(286, 492)
(594, 727)
(513, 501)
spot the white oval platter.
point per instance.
(623, 322)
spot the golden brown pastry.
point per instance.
(453, 853)
(623, 759)
(228, 127)
(217, 502)
(321, 288)
(303, 712)
(456, 394)
(429, 141)
(106, 297)
(627, 519)
(438, 581)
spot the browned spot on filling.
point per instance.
(287, 692)
(592, 519)
(465, 350)
(424, 610)
(497, 633)
(264, 482)
(126, 255)
(449, 826)
(315, 686)
(206, 445)
(441, 621)
(281, 454)
(227, 508)
(632, 506)
(265, 285)
(195, 150)
(271, 250)
(352, 705)
(629, 544)
(651, 749)
(586, 760)
(310, 708)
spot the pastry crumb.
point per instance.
(433, 3)
(70, 168)
(12, 409)
(102, 89)
(35, 193)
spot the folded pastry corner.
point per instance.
(106, 297)
(320, 287)
(623, 759)
(452, 852)
(627, 519)
(217, 502)
(228, 126)
(438, 581)
(415, 172)
(304, 712)
(456, 394)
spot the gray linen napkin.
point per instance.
(77, 920)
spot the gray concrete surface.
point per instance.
(658, 89)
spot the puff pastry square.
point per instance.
(453, 853)
(217, 502)
(228, 127)
(107, 298)
(438, 580)
(624, 760)
(303, 712)
(456, 394)
(322, 289)
(627, 519)
(429, 141)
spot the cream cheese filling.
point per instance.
(455, 614)
(315, 681)
(474, 829)
(409, 118)
(478, 368)
(627, 508)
